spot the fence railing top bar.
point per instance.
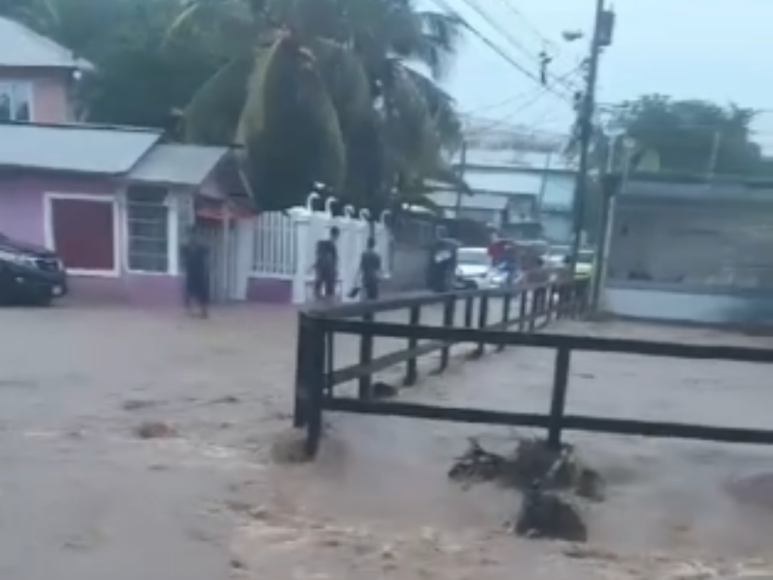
(556, 341)
(418, 299)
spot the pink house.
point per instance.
(114, 203)
(111, 201)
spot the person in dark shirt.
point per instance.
(326, 266)
(370, 271)
(196, 267)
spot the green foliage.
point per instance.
(315, 90)
(332, 97)
(691, 136)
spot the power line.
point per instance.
(518, 14)
(511, 99)
(539, 59)
(541, 92)
(502, 54)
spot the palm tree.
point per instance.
(326, 90)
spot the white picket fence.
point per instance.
(285, 244)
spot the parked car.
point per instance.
(558, 256)
(29, 274)
(474, 270)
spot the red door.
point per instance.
(83, 232)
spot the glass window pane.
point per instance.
(5, 104)
(21, 102)
(148, 230)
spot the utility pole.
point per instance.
(714, 156)
(602, 34)
(460, 170)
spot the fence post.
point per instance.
(482, 323)
(505, 314)
(534, 309)
(315, 384)
(586, 287)
(329, 362)
(548, 303)
(449, 312)
(301, 374)
(469, 307)
(413, 343)
(365, 390)
(558, 400)
(522, 310)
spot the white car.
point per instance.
(474, 269)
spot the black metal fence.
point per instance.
(524, 310)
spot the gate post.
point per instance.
(449, 311)
(413, 342)
(482, 323)
(558, 400)
(315, 383)
(301, 375)
(365, 390)
(505, 314)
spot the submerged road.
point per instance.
(83, 498)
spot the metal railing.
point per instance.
(526, 308)
(537, 306)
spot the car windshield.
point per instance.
(586, 257)
(473, 257)
(559, 251)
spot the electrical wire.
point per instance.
(508, 101)
(532, 28)
(538, 59)
(531, 102)
(494, 47)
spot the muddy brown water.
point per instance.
(82, 498)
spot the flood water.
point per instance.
(83, 498)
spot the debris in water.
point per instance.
(227, 400)
(137, 404)
(382, 390)
(533, 461)
(547, 515)
(155, 430)
(237, 564)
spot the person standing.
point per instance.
(326, 267)
(370, 271)
(196, 267)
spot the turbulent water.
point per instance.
(83, 497)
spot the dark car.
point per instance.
(29, 274)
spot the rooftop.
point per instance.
(491, 201)
(74, 148)
(177, 164)
(22, 47)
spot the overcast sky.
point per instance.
(720, 50)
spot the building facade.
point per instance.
(698, 252)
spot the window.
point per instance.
(15, 102)
(147, 224)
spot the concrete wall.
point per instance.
(653, 302)
(714, 245)
(692, 260)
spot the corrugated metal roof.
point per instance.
(22, 47)
(178, 164)
(81, 148)
(506, 181)
(447, 199)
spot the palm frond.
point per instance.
(439, 41)
(212, 115)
